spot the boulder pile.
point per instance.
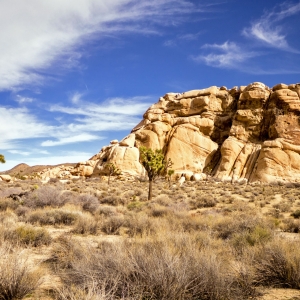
(244, 134)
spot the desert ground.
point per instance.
(85, 239)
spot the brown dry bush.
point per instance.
(17, 279)
(7, 203)
(278, 264)
(86, 224)
(112, 224)
(27, 235)
(52, 217)
(173, 267)
(45, 196)
(203, 201)
(239, 223)
(88, 202)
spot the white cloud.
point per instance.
(21, 99)
(76, 97)
(85, 137)
(19, 123)
(226, 55)
(24, 153)
(123, 106)
(182, 38)
(84, 123)
(37, 34)
(267, 31)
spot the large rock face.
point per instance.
(248, 133)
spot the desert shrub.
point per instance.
(52, 217)
(278, 264)
(45, 196)
(112, 224)
(68, 197)
(282, 206)
(238, 223)
(88, 202)
(7, 203)
(168, 267)
(204, 201)
(112, 199)
(22, 211)
(28, 235)
(255, 236)
(86, 224)
(106, 210)
(139, 224)
(135, 205)
(296, 214)
(290, 225)
(158, 211)
(17, 279)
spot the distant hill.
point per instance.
(24, 169)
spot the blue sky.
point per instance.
(76, 74)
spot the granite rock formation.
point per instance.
(244, 134)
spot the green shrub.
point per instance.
(28, 235)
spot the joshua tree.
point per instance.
(170, 173)
(2, 159)
(155, 165)
(112, 170)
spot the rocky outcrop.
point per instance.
(244, 134)
(248, 133)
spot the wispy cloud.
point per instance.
(268, 30)
(86, 120)
(85, 137)
(24, 153)
(226, 55)
(36, 42)
(21, 99)
(182, 38)
(124, 106)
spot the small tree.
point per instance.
(170, 173)
(112, 170)
(2, 159)
(155, 165)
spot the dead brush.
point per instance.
(86, 224)
(52, 217)
(162, 268)
(278, 264)
(27, 235)
(45, 196)
(17, 278)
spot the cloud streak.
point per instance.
(226, 55)
(267, 30)
(41, 35)
(85, 122)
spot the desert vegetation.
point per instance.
(86, 239)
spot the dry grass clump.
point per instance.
(88, 202)
(52, 217)
(7, 203)
(17, 279)
(45, 196)
(203, 201)
(86, 224)
(278, 264)
(27, 235)
(161, 268)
